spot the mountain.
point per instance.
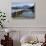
(22, 7)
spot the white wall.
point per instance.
(17, 35)
(36, 24)
(39, 20)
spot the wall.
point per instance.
(40, 15)
(17, 35)
(37, 24)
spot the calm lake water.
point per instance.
(28, 13)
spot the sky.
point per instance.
(22, 4)
(23, 1)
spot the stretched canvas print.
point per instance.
(23, 10)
